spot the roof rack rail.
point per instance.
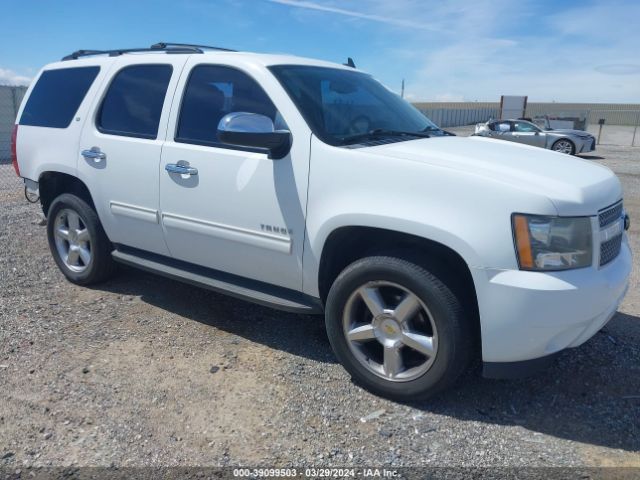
(115, 53)
(157, 47)
(163, 45)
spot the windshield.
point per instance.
(343, 106)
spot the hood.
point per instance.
(575, 186)
(568, 131)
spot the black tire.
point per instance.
(454, 328)
(101, 266)
(573, 146)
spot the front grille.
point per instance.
(610, 214)
(609, 249)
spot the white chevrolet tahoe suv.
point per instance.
(310, 187)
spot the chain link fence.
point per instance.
(615, 127)
(10, 98)
(610, 126)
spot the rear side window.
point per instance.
(500, 126)
(56, 97)
(133, 104)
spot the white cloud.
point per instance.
(9, 77)
(481, 49)
(354, 13)
(618, 68)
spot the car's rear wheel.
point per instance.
(397, 329)
(77, 241)
(564, 146)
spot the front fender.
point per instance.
(460, 209)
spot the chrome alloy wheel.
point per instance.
(390, 331)
(72, 239)
(563, 146)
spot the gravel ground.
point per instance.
(146, 371)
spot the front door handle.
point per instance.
(94, 153)
(181, 169)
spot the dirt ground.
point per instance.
(146, 371)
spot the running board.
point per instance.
(239, 287)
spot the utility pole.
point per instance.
(402, 90)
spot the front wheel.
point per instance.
(77, 241)
(397, 329)
(564, 146)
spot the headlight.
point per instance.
(552, 243)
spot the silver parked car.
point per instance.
(522, 131)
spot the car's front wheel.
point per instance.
(397, 329)
(77, 241)
(564, 146)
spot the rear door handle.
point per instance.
(94, 153)
(181, 169)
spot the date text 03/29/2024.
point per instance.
(312, 472)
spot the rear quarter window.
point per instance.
(57, 95)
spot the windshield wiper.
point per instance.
(382, 132)
(438, 129)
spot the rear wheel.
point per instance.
(564, 146)
(397, 329)
(77, 241)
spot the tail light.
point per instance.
(14, 149)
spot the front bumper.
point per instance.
(530, 315)
(586, 145)
(523, 368)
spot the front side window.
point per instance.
(340, 104)
(56, 97)
(525, 127)
(212, 92)
(133, 104)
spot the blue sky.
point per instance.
(562, 50)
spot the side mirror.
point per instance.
(245, 129)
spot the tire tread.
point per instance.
(103, 266)
(459, 323)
